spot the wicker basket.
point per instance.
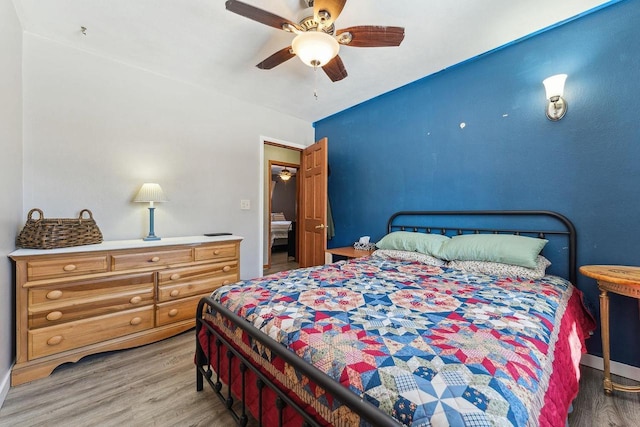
(53, 233)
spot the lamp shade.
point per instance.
(150, 192)
(554, 85)
(315, 48)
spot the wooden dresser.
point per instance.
(72, 302)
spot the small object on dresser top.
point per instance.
(217, 234)
(53, 233)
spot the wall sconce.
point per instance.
(150, 192)
(554, 87)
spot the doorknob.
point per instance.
(321, 226)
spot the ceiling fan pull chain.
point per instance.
(315, 81)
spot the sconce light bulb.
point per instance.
(554, 89)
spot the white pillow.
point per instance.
(503, 270)
(409, 256)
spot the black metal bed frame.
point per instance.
(373, 415)
(205, 371)
(566, 228)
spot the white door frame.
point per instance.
(261, 183)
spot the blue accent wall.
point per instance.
(406, 150)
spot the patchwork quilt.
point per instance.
(430, 346)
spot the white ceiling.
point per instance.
(199, 42)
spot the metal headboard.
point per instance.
(419, 221)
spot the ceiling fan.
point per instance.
(317, 42)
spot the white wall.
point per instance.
(10, 176)
(95, 129)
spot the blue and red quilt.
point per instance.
(430, 346)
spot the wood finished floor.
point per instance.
(280, 261)
(154, 385)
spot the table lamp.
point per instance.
(150, 192)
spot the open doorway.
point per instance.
(313, 223)
(283, 209)
(277, 158)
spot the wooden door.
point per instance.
(313, 209)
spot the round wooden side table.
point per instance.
(622, 280)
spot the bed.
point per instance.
(405, 337)
(280, 228)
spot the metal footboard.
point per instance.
(206, 369)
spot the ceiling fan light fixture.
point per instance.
(315, 48)
(285, 174)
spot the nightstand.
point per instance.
(620, 280)
(349, 252)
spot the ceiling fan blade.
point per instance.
(335, 69)
(371, 36)
(331, 7)
(259, 15)
(276, 59)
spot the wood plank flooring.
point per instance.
(145, 386)
(592, 408)
(154, 385)
(280, 261)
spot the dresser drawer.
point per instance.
(215, 252)
(172, 312)
(188, 281)
(68, 336)
(150, 259)
(63, 267)
(52, 305)
(91, 289)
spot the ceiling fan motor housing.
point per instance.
(308, 22)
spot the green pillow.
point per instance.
(415, 242)
(503, 248)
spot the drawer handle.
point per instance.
(216, 252)
(174, 276)
(174, 293)
(173, 312)
(55, 340)
(135, 300)
(54, 294)
(69, 267)
(226, 282)
(155, 259)
(54, 315)
(136, 321)
(226, 268)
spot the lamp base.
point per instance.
(152, 233)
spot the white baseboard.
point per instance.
(5, 385)
(617, 368)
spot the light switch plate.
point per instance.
(245, 204)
